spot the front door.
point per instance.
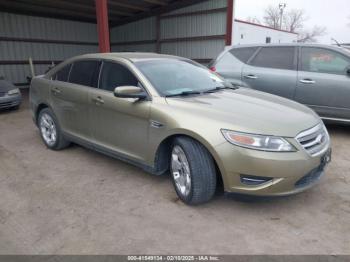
(119, 124)
(323, 82)
(272, 70)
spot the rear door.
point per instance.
(58, 91)
(323, 83)
(272, 70)
(70, 97)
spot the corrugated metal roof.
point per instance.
(119, 11)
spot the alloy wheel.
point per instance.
(181, 171)
(48, 129)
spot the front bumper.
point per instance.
(10, 101)
(290, 172)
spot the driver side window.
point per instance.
(114, 75)
(323, 61)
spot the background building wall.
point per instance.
(197, 32)
(136, 36)
(247, 33)
(44, 40)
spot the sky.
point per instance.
(333, 14)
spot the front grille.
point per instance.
(310, 178)
(2, 94)
(315, 140)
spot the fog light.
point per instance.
(254, 180)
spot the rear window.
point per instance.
(275, 57)
(243, 54)
(84, 73)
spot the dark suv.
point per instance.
(315, 75)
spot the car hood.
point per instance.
(249, 111)
(6, 86)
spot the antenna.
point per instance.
(336, 42)
(281, 6)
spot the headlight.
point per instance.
(13, 92)
(258, 142)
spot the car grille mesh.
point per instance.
(314, 140)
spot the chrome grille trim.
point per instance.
(315, 140)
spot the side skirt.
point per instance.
(113, 154)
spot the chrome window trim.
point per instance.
(336, 119)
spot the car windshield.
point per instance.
(173, 77)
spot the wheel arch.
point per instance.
(40, 107)
(162, 156)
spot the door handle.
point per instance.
(251, 76)
(307, 81)
(56, 91)
(98, 100)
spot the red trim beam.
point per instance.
(102, 26)
(229, 22)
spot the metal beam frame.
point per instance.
(46, 41)
(170, 40)
(34, 10)
(26, 62)
(229, 22)
(155, 2)
(201, 12)
(157, 11)
(102, 26)
(84, 10)
(129, 6)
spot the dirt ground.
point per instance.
(77, 201)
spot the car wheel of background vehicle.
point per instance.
(193, 171)
(50, 130)
(15, 108)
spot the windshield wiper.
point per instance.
(185, 93)
(218, 88)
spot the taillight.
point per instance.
(213, 68)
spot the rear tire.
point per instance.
(50, 130)
(193, 171)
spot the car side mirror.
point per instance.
(130, 92)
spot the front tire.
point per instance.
(50, 130)
(193, 171)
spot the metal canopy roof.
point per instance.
(120, 11)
